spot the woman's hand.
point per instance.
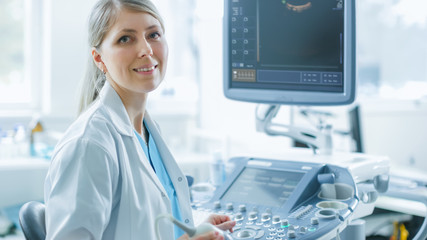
(222, 222)
(212, 235)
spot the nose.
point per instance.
(145, 49)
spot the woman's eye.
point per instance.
(124, 39)
(155, 35)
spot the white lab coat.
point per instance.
(100, 184)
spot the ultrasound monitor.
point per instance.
(297, 52)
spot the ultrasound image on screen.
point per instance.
(289, 45)
(300, 33)
(263, 187)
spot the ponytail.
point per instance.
(91, 85)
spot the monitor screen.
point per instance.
(263, 187)
(299, 52)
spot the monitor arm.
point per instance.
(320, 141)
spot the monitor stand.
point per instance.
(320, 141)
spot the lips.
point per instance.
(146, 68)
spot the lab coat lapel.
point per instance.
(175, 173)
(147, 166)
(117, 111)
(167, 158)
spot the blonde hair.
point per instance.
(102, 18)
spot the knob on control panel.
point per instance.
(253, 216)
(265, 217)
(238, 217)
(229, 206)
(314, 221)
(246, 234)
(242, 208)
(285, 222)
(217, 205)
(292, 234)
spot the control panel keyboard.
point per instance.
(284, 200)
(254, 224)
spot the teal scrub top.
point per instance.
(156, 162)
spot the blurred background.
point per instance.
(44, 51)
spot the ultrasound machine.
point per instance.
(295, 52)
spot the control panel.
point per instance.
(281, 200)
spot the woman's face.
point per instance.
(134, 53)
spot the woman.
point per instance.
(112, 174)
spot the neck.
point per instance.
(135, 104)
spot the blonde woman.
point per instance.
(112, 173)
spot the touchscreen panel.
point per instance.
(263, 187)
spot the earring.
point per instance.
(103, 77)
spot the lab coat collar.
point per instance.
(112, 102)
(119, 116)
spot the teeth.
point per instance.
(145, 69)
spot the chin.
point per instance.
(150, 87)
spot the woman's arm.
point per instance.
(79, 191)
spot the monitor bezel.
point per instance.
(292, 97)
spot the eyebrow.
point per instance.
(129, 30)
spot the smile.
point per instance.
(147, 69)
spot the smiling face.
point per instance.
(133, 53)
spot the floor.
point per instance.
(12, 213)
(17, 236)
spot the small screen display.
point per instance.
(263, 187)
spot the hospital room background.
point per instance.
(44, 52)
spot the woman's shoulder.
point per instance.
(93, 125)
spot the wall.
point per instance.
(63, 53)
(397, 129)
(68, 54)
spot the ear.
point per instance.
(97, 59)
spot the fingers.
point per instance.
(216, 219)
(227, 225)
(212, 235)
(184, 237)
